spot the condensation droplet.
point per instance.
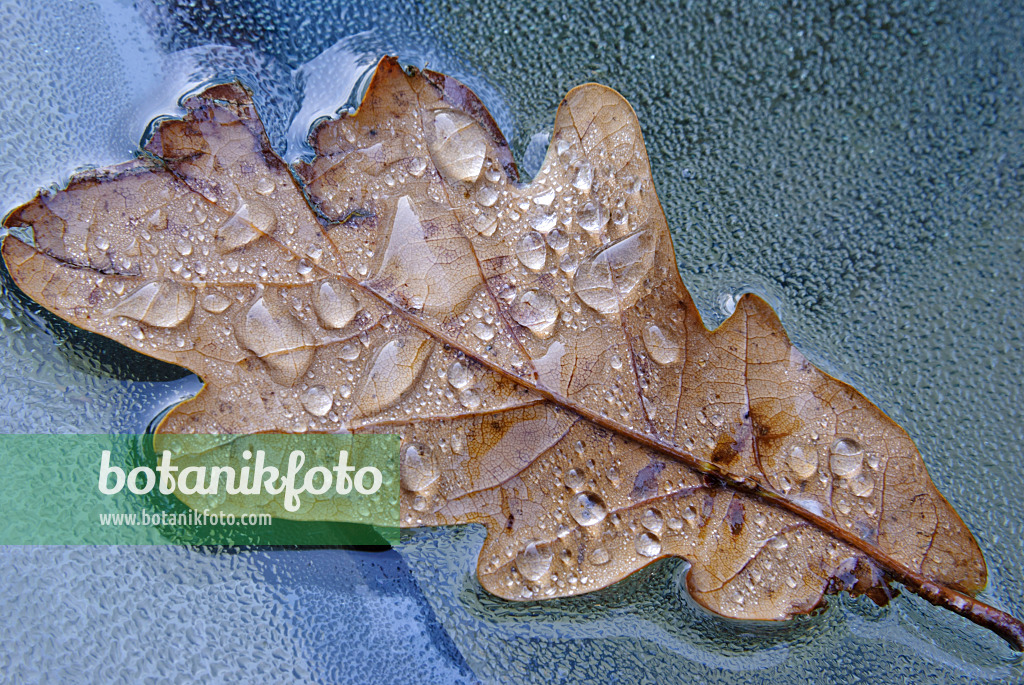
(457, 145)
(600, 556)
(459, 375)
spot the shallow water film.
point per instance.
(859, 166)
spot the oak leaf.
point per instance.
(532, 344)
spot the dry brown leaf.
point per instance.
(533, 345)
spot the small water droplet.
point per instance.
(558, 239)
(349, 352)
(600, 556)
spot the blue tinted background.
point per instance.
(861, 165)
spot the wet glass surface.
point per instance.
(859, 166)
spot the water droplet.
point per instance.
(417, 467)
(534, 561)
(652, 520)
(690, 515)
(459, 375)
(587, 509)
(779, 543)
(569, 263)
(317, 401)
(648, 545)
(469, 399)
(184, 247)
(487, 196)
(803, 463)
(417, 165)
(600, 556)
(662, 348)
(334, 304)
(538, 311)
(592, 217)
(584, 177)
(573, 479)
(251, 220)
(101, 242)
(546, 198)
(265, 186)
(215, 303)
(558, 239)
(863, 485)
(457, 145)
(608, 279)
(847, 457)
(276, 337)
(532, 251)
(544, 222)
(164, 305)
(616, 362)
(483, 331)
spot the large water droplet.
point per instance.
(608, 279)
(459, 375)
(457, 145)
(538, 311)
(600, 556)
(532, 251)
(394, 369)
(662, 348)
(418, 469)
(847, 457)
(592, 217)
(317, 400)
(648, 544)
(487, 196)
(276, 337)
(652, 520)
(534, 561)
(587, 509)
(248, 223)
(215, 303)
(583, 177)
(334, 304)
(164, 305)
(803, 463)
(863, 485)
